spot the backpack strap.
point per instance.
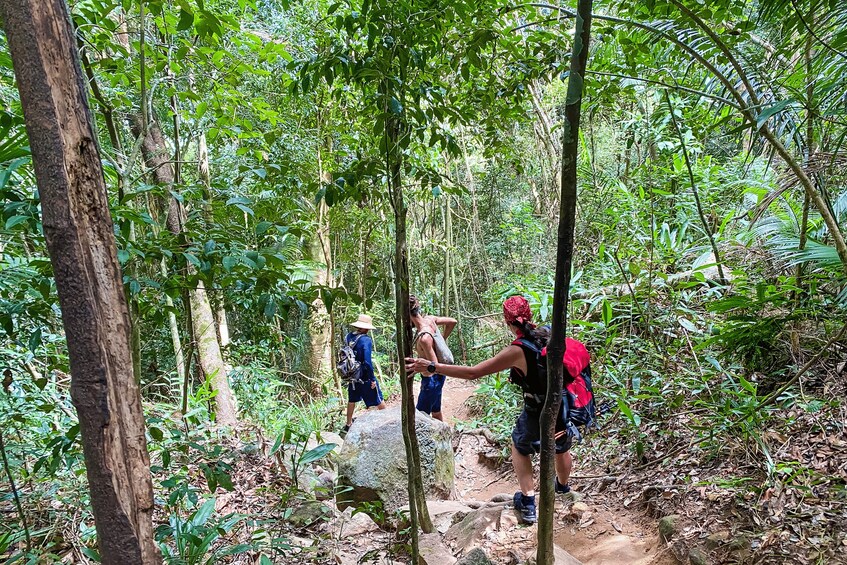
(529, 345)
(525, 343)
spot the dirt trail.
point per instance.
(606, 534)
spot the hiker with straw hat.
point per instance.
(365, 388)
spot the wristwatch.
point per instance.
(431, 367)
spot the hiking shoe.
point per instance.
(346, 429)
(525, 505)
(560, 488)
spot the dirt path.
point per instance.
(607, 533)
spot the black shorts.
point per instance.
(527, 433)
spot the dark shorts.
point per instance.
(527, 433)
(360, 391)
(429, 400)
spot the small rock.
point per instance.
(667, 528)
(562, 557)
(309, 512)
(325, 487)
(433, 551)
(502, 497)
(579, 508)
(573, 497)
(697, 556)
(468, 533)
(444, 513)
(717, 539)
(475, 557)
(508, 519)
(352, 525)
(739, 543)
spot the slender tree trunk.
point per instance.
(321, 252)
(81, 242)
(208, 349)
(706, 227)
(179, 355)
(810, 135)
(418, 511)
(564, 259)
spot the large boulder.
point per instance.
(372, 461)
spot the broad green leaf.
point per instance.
(317, 453)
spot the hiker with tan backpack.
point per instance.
(431, 344)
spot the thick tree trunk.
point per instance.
(564, 258)
(208, 349)
(81, 243)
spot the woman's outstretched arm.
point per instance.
(511, 356)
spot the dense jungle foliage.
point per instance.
(708, 282)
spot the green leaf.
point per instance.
(687, 324)
(229, 262)
(317, 453)
(769, 111)
(91, 553)
(191, 258)
(203, 513)
(15, 221)
(608, 312)
(395, 106)
(156, 433)
(35, 340)
(186, 20)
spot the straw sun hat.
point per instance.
(364, 322)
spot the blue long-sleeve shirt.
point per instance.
(363, 350)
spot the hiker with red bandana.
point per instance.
(522, 357)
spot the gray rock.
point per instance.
(310, 512)
(373, 459)
(433, 551)
(444, 513)
(562, 557)
(667, 528)
(467, 534)
(717, 539)
(697, 556)
(475, 557)
(351, 525)
(739, 543)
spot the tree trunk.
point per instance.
(320, 321)
(179, 355)
(418, 512)
(209, 355)
(81, 243)
(204, 172)
(208, 349)
(564, 258)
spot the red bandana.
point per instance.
(516, 309)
